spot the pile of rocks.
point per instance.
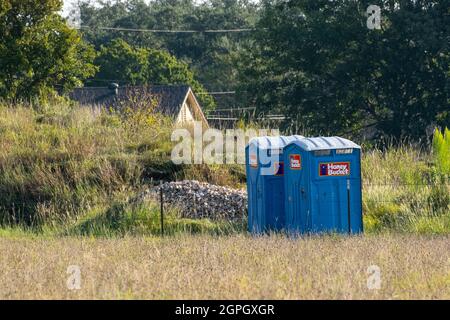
(200, 199)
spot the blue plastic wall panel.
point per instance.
(265, 182)
(323, 186)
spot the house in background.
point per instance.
(175, 101)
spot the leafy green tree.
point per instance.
(39, 52)
(211, 56)
(317, 61)
(128, 64)
(121, 62)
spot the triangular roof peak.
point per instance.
(170, 97)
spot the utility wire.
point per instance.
(170, 31)
(216, 92)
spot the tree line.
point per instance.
(315, 61)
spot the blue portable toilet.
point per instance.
(323, 186)
(265, 186)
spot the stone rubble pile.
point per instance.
(200, 199)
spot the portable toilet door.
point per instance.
(325, 194)
(297, 189)
(265, 186)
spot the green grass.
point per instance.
(406, 190)
(66, 170)
(145, 219)
(57, 163)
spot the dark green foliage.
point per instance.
(211, 56)
(317, 61)
(133, 65)
(39, 52)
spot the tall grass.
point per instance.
(57, 162)
(234, 267)
(406, 189)
(74, 169)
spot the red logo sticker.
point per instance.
(295, 161)
(334, 169)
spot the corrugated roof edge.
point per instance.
(272, 142)
(325, 143)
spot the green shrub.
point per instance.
(441, 151)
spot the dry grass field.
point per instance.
(227, 267)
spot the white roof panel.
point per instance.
(277, 142)
(325, 143)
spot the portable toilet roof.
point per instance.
(325, 143)
(271, 142)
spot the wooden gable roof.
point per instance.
(169, 98)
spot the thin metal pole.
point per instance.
(162, 207)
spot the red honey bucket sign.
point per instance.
(295, 161)
(334, 169)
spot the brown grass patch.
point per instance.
(235, 267)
